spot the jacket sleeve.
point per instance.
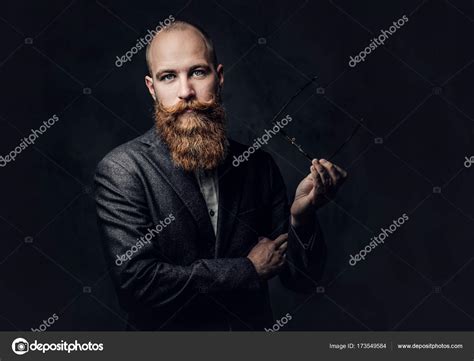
(146, 279)
(306, 252)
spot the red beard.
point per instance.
(196, 139)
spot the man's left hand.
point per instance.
(316, 190)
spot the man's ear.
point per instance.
(220, 75)
(149, 85)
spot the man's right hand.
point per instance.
(268, 256)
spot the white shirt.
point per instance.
(209, 185)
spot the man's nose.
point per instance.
(186, 91)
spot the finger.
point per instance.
(335, 171)
(314, 176)
(283, 247)
(280, 239)
(312, 170)
(317, 180)
(341, 171)
(325, 176)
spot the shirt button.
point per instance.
(211, 212)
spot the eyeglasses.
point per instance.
(292, 141)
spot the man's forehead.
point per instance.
(178, 48)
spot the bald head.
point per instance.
(157, 47)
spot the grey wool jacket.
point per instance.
(170, 271)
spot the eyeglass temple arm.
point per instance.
(292, 141)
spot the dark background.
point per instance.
(415, 93)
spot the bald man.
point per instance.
(192, 239)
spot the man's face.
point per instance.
(185, 87)
(182, 69)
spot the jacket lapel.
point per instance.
(230, 194)
(184, 184)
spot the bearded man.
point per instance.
(191, 239)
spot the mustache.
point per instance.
(195, 105)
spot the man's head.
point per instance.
(185, 82)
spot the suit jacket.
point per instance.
(170, 270)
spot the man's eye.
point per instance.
(167, 77)
(199, 72)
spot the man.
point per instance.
(192, 239)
